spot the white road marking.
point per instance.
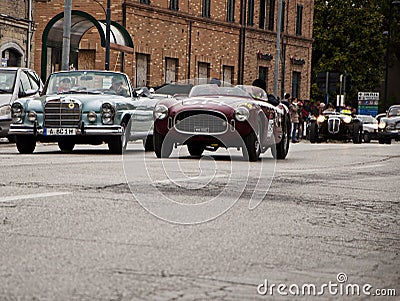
(32, 196)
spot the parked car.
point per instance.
(83, 107)
(336, 126)
(15, 82)
(389, 126)
(215, 116)
(370, 127)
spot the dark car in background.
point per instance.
(15, 82)
(335, 126)
(389, 126)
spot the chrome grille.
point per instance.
(333, 125)
(58, 113)
(201, 122)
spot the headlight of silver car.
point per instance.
(242, 114)
(32, 116)
(5, 112)
(382, 125)
(107, 113)
(17, 112)
(92, 116)
(160, 112)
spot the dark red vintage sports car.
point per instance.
(213, 116)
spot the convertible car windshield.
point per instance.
(395, 111)
(237, 91)
(87, 82)
(7, 79)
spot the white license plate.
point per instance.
(59, 131)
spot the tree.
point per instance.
(348, 38)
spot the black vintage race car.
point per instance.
(336, 126)
(389, 126)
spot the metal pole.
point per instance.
(108, 30)
(28, 39)
(278, 48)
(66, 34)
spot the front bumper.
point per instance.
(4, 127)
(83, 130)
(392, 134)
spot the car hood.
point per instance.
(395, 119)
(218, 103)
(89, 102)
(5, 98)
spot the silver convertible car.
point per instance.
(83, 107)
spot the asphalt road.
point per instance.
(94, 226)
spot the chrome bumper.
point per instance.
(103, 130)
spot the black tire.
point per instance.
(252, 147)
(280, 150)
(148, 144)
(11, 138)
(388, 141)
(313, 132)
(25, 144)
(118, 143)
(381, 141)
(195, 149)
(367, 137)
(163, 149)
(66, 146)
(357, 133)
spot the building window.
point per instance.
(171, 70)
(173, 5)
(142, 70)
(250, 13)
(263, 74)
(299, 20)
(267, 14)
(145, 1)
(203, 72)
(227, 74)
(206, 9)
(230, 16)
(283, 16)
(296, 77)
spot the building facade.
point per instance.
(16, 33)
(233, 40)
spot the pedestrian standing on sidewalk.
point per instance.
(294, 116)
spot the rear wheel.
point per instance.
(163, 149)
(252, 144)
(66, 146)
(25, 144)
(313, 132)
(280, 150)
(367, 137)
(148, 144)
(357, 133)
(195, 149)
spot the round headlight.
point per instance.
(160, 112)
(321, 118)
(242, 114)
(91, 116)
(347, 119)
(107, 113)
(32, 116)
(382, 125)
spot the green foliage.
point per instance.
(348, 38)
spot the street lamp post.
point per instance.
(108, 29)
(393, 3)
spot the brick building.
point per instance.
(234, 40)
(15, 33)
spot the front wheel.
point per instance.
(195, 149)
(118, 143)
(367, 137)
(281, 149)
(66, 146)
(313, 132)
(252, 147)
(357, 133)
(148, 144)
(163, 149)
(25, 144)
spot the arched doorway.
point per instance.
(81, 23)
(12, 55)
